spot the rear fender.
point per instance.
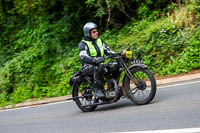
(73, 82)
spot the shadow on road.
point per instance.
(120, 104)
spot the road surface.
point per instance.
(174, 108)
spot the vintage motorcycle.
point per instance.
(138, 83)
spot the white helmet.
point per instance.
(88, 27)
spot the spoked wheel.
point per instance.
(144, 89)
(84, 97)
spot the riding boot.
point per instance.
(98, 85)
(98, 91)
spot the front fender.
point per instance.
(138, 66)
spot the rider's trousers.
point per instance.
(96, 71)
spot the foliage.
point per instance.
(35, 70)
(112, 11)
(39, 40)
(188, 59)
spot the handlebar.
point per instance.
(115, 55)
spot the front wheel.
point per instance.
(143, 89)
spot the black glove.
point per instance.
(98, 60)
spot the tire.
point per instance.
(79, 90)
(146, 83)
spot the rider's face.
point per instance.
(94, 34)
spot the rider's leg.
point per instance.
(98, 77)
(97, 73)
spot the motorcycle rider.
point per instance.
(91, 51)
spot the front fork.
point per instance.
(133, 78)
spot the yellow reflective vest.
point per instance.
(92, 49)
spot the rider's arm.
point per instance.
(83, 52)
(107, 50)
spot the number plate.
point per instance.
(138, 61)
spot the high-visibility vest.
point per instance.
(92, 49)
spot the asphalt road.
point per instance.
(174, 107)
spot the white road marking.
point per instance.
(167, 86)
(183, 130)
(35, 106)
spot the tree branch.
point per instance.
(109, 13)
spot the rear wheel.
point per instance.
(144, 90)
(84, 97)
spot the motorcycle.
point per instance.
(138, 83)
